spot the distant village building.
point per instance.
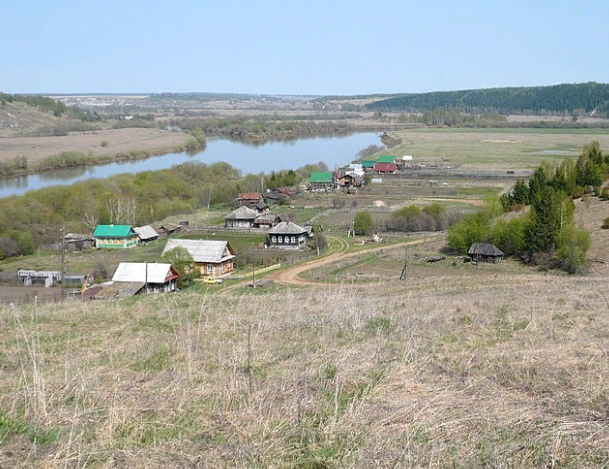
(115, 237)
(321, 181)
(153, 278)
(248, 200)
(485, 252)
(267, 221)
(146, 233)
(351, 180)
(385, 168)
(78, 242)
(243, 217)
(386, 159)
(407, 158)
(261, 208)
(212, 257)
(288, 235)
(368, 165)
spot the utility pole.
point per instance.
(146, 279)
(404, 274)
(253, 275)
(209, 198)
(63, 288)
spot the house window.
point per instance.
(210, 268)
(293, 239)
(279, 239)
(274, 239)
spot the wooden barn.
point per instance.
(485, 252)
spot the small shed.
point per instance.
(485, 252)
(146, 233)
(367, 165)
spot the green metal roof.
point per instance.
(321, 177)
(386, 159)
(113, 231)
(368, 163)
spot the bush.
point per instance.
(363, 223)
(435, 210)
(573, 248)
(104, 143)
(605, 224)
(470, 229)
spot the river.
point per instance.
(248, 157)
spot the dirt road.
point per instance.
(292, 275)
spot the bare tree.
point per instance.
(90, 218)
(122, 210)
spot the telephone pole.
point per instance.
(404, 274)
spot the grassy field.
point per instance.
(119, 141)
(447, 370)
(496, 149)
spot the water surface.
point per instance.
(248, 157)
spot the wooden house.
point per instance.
(351, 180)
(154, 278)
(288, 235)
(321, 181)
(267, 221)
(211, 257)
(115, 237)
(385, 168)
(485, 252)
(248, 199)
(243, 217)
(261, 208)
(78, 242)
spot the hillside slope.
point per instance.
(449, 370)
(18, 118)
(557, 98)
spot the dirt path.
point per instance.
(476, 202)
(292, 275)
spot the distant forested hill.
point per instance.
(557, 98)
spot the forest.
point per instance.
(558, 98)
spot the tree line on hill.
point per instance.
(558, 98)
(57, 108)
(34, 219)
(546, 234)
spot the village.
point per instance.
(264, 230)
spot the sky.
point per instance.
(312, 47)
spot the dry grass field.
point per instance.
(455, 371)
(496, 149)
(119, 141)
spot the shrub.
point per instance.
(363, 223)
(470, 229)
(574, 245)
(104, 143)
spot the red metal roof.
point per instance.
(250, 196)
(385, 167)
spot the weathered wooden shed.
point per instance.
(485, 252)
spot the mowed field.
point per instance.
(119, 141)
(496, 149)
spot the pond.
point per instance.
(248, 157)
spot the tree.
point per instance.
(520, 193)
(185, 265)
(573, 248)
(363, 223)
(470, 229)
(322, 166)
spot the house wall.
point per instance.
(288, 241)
(117, 243)
(208, 269)
(318, 186)
(162, 287)
(236, 223)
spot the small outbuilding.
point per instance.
(485, 252)
(243, 217)
(156, 278)
(146, 233)
(288, 235)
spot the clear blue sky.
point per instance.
(299, 47)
